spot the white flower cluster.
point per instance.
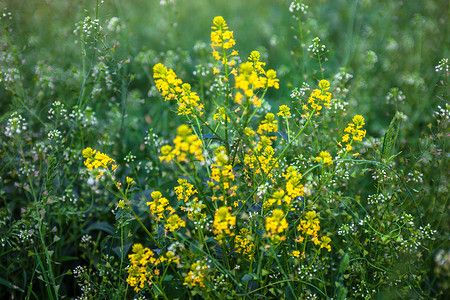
(296, 6)
(395, 96)
(316, 47)
(16, 125)
(443, 65)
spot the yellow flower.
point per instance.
(173, 88)
(244, 243)
(174, 222)
(324, 157)
(353, 132)
(187, 145)
(223, 223)
(324, 243)
(138, 275)
(284, 111)
(97, 160)
(196, 275)
(276, 225)
(130, 181)
(269, 124)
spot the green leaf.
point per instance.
(247, 277)
(209, 136)
(390, 137)
(102, 226)
(344, 264)
(284, 136)
(10, 285)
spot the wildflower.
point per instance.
(173, 88)
(244, 243)
(294, 187)
(276, 225)
(184, 190)
(253, 77)
(159, 205)
(174, 222)
(167, 154)
(221, 169)
(443, 65)
(269, 124)
(221, 114)
(130, 181)
(223, 223)
(187, 145)
(221, 37)
(316, 47)
(138, 273)
(97, 160)
(121, 204)
(284, 111)
(196, 275)
(325, 158)
(324, 243)
(318, 99)
(295, 253)
(353, 132)
(262, 162)
(279, 198)
(310, 225)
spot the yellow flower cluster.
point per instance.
(196, 275)
(244, 243)
(268, 125)
(185, 190)
(172, 87)
(285, 111)
(325, 158)
(222, 173)
(98, 161)
(221, 115)
(193, 206)
(252, 77)
(159, 205)
(222, 37)
(142, 263)
(262, 161)
(294, 187)
(187, 145)
(310, 226)
(354, 132)
(318, 99)
(276, 225)
(224, 222)
(138, 273)
(279, 198)
(174, 222)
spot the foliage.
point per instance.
(139, 161)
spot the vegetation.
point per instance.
(232, 149)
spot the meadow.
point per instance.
(269, 149)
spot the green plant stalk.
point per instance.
(47, 259)
(44, 274)
(145, 228)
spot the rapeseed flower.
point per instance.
(223, 224)
(325, 158)
(173, 88)
(95, 160)
(276, 224)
